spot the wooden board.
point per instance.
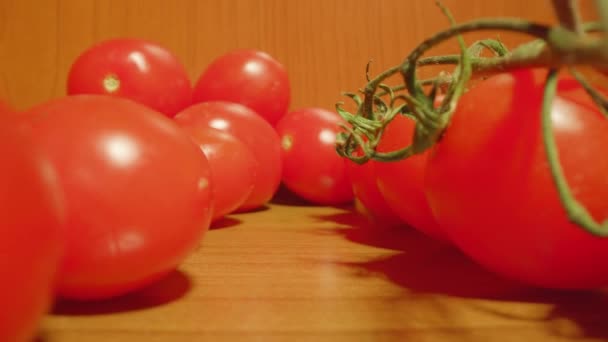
(294, 272)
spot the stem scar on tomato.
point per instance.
(111, 83)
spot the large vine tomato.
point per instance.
(490, 189)
(137, 190)
(31, 218)
(137, 69)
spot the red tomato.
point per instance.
(365, 188)
(312, 169)
(249, 77)
(253, 131)
(490, 189)
(32, 234)
(137, 190)
(401, 183)
(233, 168)
(136, 69)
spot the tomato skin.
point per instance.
(250, 77)
(33, 237)
(401, 183)
(312, 169)
(233, 168)
(137, 192)
(145, 71)
(255, 132)
(370, 201)
(490, 188)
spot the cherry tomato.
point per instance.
(369, 200)
(33, 238)
(312, 169)
(136, 69)
(233, 168)
(250, 77)
(137, 192)
(490, 188)
(401, 183)
(244, 124)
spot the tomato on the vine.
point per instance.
(255, 132)
(136, 69)
(490, 188)
(233, 167)
(33, 239)
(401, 183)
(368, 199)
(312, 169)
(137, 191)
(250, 77)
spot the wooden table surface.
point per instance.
(294, 272)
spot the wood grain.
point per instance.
(325, 44)
(305, 273)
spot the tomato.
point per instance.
(312, 169)
(490, 189)
(250, 77)
(233, 168)
(137, 191)
(136, 69)
(32, 241)
(369, 200)
(244, 124)
(401, 183)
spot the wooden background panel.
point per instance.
(325, 44)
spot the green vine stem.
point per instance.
(566, 44)
(576, 212)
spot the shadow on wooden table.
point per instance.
(169, 289)
(423, 265)
(225, 222)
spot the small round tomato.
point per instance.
(136, 69)
(244, 124)
(137, 191)
(312, 169)
(489, 185)
(233, 168)
(401, 183)
(369, 200)
(32, 243)
(250, 77)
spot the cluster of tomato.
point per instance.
(486, 186)
(110, 187)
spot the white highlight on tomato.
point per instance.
(121, 149)
(561, 116)
(139, 60)
(253, 67)
(327, 136)
(220, 124)
(129, 241)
